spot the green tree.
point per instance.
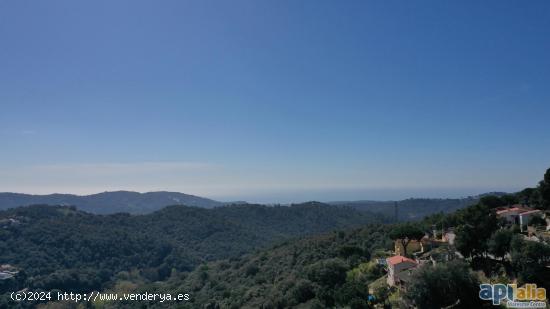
(493, 201)
(444, 285)
(499, 244)
(529, 260)
(405, 233)
(352, 293)
(328, 273)
(537, 221)
(478, 223)
(302, 291)
(544, 189)
(529, 196)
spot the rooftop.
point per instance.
(397, 259)
(515, 208)
(530, 212)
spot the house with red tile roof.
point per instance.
(400, 269)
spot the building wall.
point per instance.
(412, 246)
(396, 269)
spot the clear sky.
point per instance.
(274, 101)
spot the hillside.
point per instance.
(62, 247)
(143, 203)
(411, 209)
(303, 273)
(109, 202)
(341, 269)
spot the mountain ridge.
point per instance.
(414, 208)
(110, 201)
(55, 244)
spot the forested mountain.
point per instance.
(340, 269)
(60, 247)
(312, 272)
(109, 202)
(143, 203)
(412, 208)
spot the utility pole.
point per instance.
(395, 212)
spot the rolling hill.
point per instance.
(414, 208)
(109, 202)
(60, 247)
(143, 203)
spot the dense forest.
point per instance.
(60, 247)
(340, 269)
(315, 272)
(413, 208)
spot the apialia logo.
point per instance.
(528, 296)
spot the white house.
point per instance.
(518, 214)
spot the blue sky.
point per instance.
(274, 101)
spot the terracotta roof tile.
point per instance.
(397, 259)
